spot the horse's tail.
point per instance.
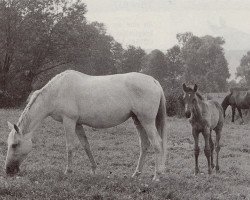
(161, 125)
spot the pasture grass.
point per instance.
(116, 151)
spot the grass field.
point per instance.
(116, 151)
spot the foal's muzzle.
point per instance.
(188, 114)
(12, 169)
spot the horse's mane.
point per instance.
(25, 114)
(238, 89)
(198, 94)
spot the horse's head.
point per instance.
(18, 149)
(190, 98)
(225, 103)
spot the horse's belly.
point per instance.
(104, 116)
(103, 122)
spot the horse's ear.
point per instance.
(195, 88)
(10, 125)
(16, 128)
(184, 87)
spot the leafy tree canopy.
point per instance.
(243, 70)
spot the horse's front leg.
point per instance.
(240, 113)
(233, 113)
(69, 126)
(196, 149)
(207, 150)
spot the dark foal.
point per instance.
(205, 116)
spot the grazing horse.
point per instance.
(77, 99)
(205, 116)
(238, 98)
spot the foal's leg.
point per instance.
(196, 149)
(84, 141)
(156, 142)
(69, 126)
(207, 150)
(144, 144)
(217, 148)
(212, 149)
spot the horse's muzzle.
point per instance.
(12, 169)
(188, 114)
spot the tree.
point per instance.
(174, 63)
(154, 64)
(205, 63)
(183, 38)
(41, 38)
(132, 59)
(32, 42)
(243, 70)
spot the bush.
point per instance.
(174, 102)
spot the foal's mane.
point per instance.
(198, 94)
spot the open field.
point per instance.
(116, 151)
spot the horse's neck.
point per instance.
(197, 110)
(32, 117)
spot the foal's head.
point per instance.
(18, 149)
(190, 99)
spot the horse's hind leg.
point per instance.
(69, 126)
(240, 113)
(217, 147)
(144, 144)
(212, 149)
(156, 142)
(84, 141)
(233, 113)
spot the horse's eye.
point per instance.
(14, 145)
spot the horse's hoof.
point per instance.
(68, 171)
(212, 165)
(217, 168)
(197, 171)
(93, 170)
(156, 178)
(136, 174)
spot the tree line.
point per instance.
(41, 38)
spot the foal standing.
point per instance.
(205, 116)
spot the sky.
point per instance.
(153, 24)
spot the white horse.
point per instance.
(77, 99)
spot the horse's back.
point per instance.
(104, 101)
(240, 98)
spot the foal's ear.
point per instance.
(16, 128)
(195, 88)
(184, 87)
(10, 125)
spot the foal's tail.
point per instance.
(161, 124)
